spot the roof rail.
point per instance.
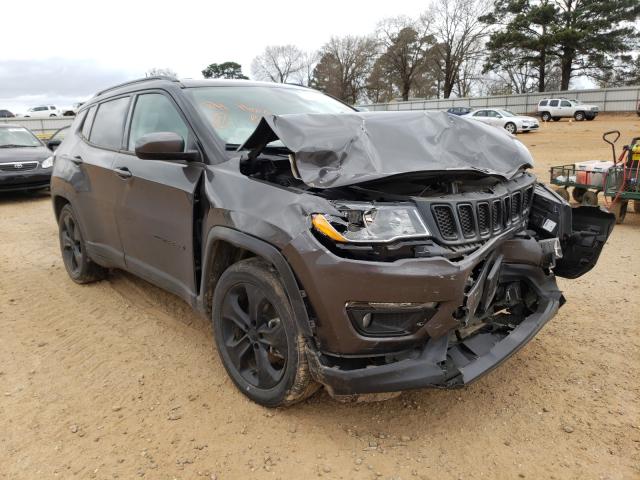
(139, 80)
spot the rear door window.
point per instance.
(480, 113)
(88, 121)
(108, 124)
(553, 103)
(543, 103)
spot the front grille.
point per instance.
(17, 166)
(446, 221)
(466, 220)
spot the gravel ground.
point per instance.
(121, 380)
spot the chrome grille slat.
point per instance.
(17, 166)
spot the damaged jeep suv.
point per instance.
(367, 252)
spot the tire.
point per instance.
(556, 119)
(257, 336)
(546, 116)
(619, 209)
(511, 128)
(563, 192)
(579, 116)
(590, 198)
(76, 260)
(578, 193)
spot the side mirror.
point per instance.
(53, 144)
(164, 146)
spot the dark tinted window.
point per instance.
(154, 112)
(109, 123)
(543, 103)
(480, 113)
(553, 103)
(86, 126)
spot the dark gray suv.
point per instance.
(364, 251)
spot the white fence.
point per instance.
(42, 127)
(622, 99)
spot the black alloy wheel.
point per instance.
(257, 335)
(253, 335)
(76, 260)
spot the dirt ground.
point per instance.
(121, 380)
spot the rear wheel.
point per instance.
(619, 209)
(579, 116)
(76, 260)
(257, 337)
(590, 198)
(578, 193)
(511, 128)
(546, 116)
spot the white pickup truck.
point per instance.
(557, 108)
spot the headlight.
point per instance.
(367, 223)
(48, 162)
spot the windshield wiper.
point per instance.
(13, 145)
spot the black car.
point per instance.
(25, 163)
(459, 110)
(6, 114)
(364, 251)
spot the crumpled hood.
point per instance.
(332, 150)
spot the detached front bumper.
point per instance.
(445, 362)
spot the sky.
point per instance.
(62, 52)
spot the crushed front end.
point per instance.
(429, 253)
(440, 310)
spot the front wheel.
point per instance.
(579, 116)
(257, 337)
(511, 128)
(76, 260)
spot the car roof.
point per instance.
(160, 81)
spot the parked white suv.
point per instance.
(557, 108)
(43, 111)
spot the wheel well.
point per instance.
(58, 205)
(224, 254)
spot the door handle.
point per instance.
(123, 172)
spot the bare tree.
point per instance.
(344, 66)
(161, 72)
(309, 62)
(278, 63)
(405, 43)
(459, 34)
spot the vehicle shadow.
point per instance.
(21, 197)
